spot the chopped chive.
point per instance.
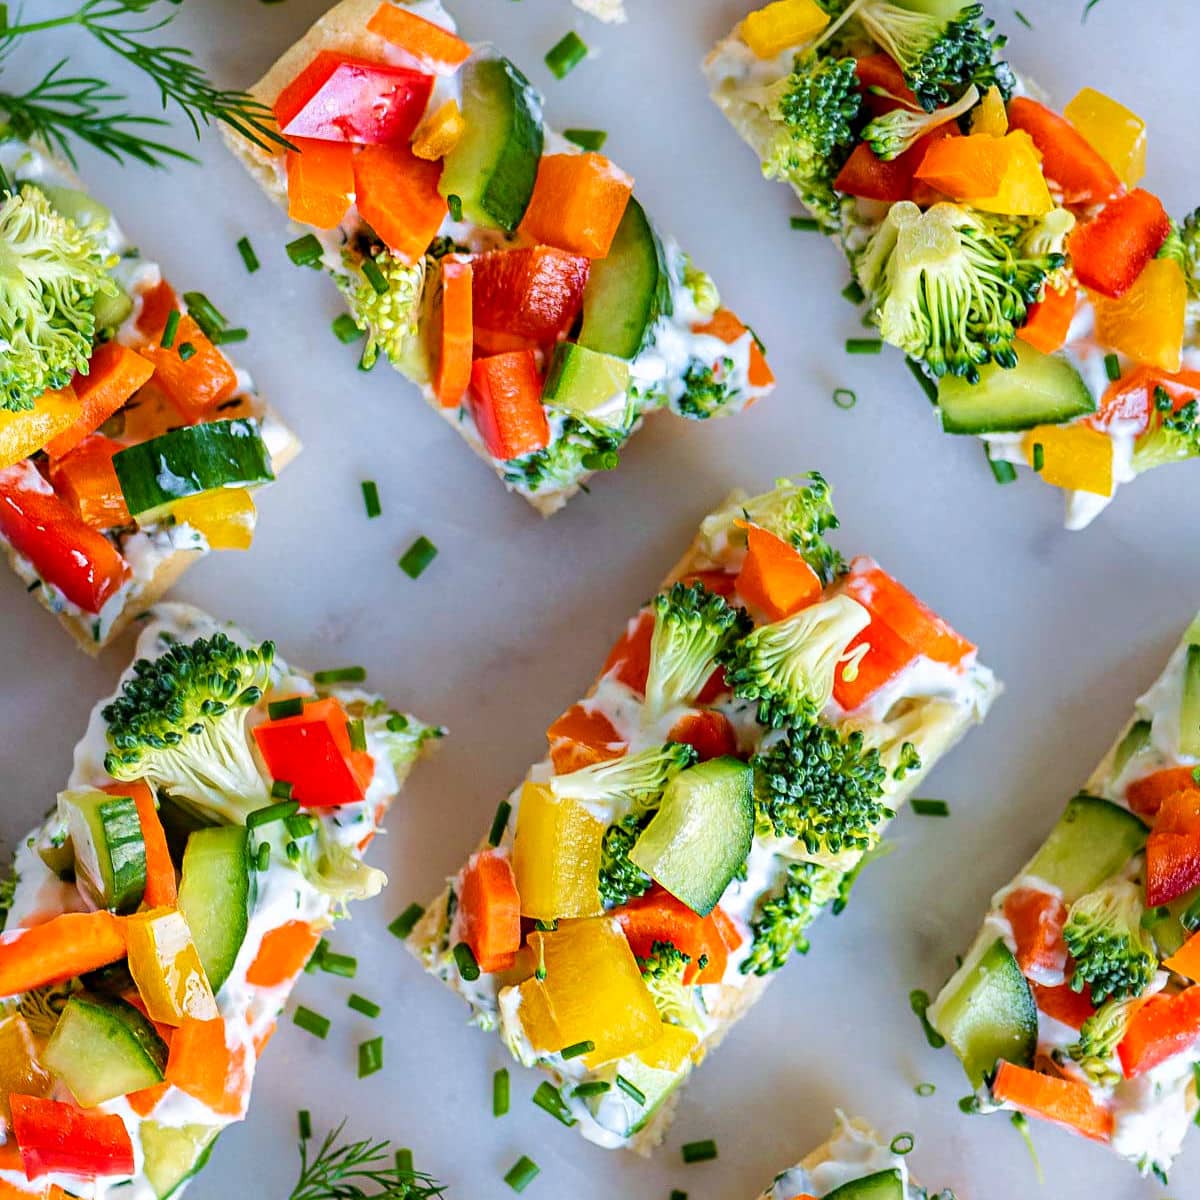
(361, 1004)
(697, 1152)
(1112, 367)
(311, 1022)
(454, 204)
(845, 398)
(919, 1002)
(205, 313)
(397, 723)
(499, 823)
(676, 1194)
(345, 330)
(358, 734)
(578, 1049)
(864, 345)
(293, 852)
(370, 1057)
(248, 256)
(807, 224)
(593, 1087)
(631, 1089)
(1038, 456)
(566, 54)
(1022, 18)
(404, 1161)
(853, 292)
(549, 1099)
(345, 965)
(170, 329)
(925, 1089)
(222, 337)
(930, 808)
(522, 1173)
(406, 922)
(342, 675)
(299, 825)
(281, 789)
(262, 857)
(416, 559)
(969, 1105)
(927, 384)
(464, 958)
(586, 139)
(293, 706)
(272, 813)
(305, 1121)
(374, 276)
(1002, 470)
(186, 350)
(316, 957)
(501, 1097)
(370, 492)
(902, 1144)
(305, 251)
(33, 587)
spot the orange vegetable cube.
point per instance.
(431, 45)
(1112, 130)
(505, 400)
(1076, 457)
(452, 373)
(582, 737)
(283, 954)
(774, 576)
(197, 384)
(965, 166)
(578, 202)
(1049, 320)
(320, 182)
(86, 480)
(488, 917)
(208, 1067)
(1147, 321)
(1022, 190)
(114, 373)
(23, 433)
(397, 196)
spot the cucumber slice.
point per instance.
(108, 848)
(1189, 708)
(585, 383)
(1133, 743)
(111, 312)
(103, 1048)
(654, 1083)
(628, 290)
(1092, 841)
(216, 893)
(883, 1185)
(1172, 924)
(1042, 389)
(187, 461)
(173, 1154)
(494, 165)
(987, 1012)
(702, 833)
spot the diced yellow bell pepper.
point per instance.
(990, 116)
(556, 856)
(22, 433)
(770, 30)
(670, 1050)
(1147, 322)
(1023, 191)
(1076, 457)
(440, 132)
(592, 991)
(165, 965)
(226, 517)
(1115, 133)
(20, 1070)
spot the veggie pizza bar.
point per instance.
(1080, 1000)
(725, 780)
(129, 444)
(1042, 298)
(214, 824)
(507, 271)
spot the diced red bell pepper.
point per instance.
(709, 733)
(525, 297)
(86, 480)
(1162, 1027)
(1131, 398)
(882, 85)
(1068, 160)
(312, 752)
(1037, 920)
(582, 737)
(1172, 866)
(505, 401)
(57, 1137)
(629, 659)
(870, 178)
(1064, 1003)
(1146, 795)
(660, 917)
(66, 553)
(1111, 250)
(341, 99)
(886, 656)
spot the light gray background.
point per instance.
(510, 623)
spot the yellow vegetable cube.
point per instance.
(1023, 191)
(1076, 457)
(1115, 133)
(440, 132)
(226, 517)
(165, 965)
(20, 1070)
(781, 25)
(21, 433)
(991, 116)
(670, 1050)
(1146, 323)
(592, 991)
(556, 856)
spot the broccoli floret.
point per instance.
(8, 893)
(692, 626)
(950, 287)
(707, 389)
(823, 789)
(1173, 437)
(705, 297)
(1099, 1037)
(402, 736)
(1183, 248)
(580, 448)
(1113, 954)
(51, 272)
(389, 314)
(788, 666)
(622, 784)
(332, 868)
(779, 928)
(662, 973)
(180, 724)
(892, 133)
(620, 877)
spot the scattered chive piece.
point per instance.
(1112, 367)
(293, 852)
(549, 1099)
(578, 1050)
(417, 557)
(248, 256)
(345, 965)
(808, 224)
(919, 1002)
(186, 350)
(293, 706)
(358, 734)
(397, 723)
(586, 139)
(930, 808)
(969, 1105)
(299, 825)
(1003, 471)
(371, 499)
(864, 345)
(345, 330)
(501, 1097)
(593, 1087)
(370, 1057)
(853, 292)
(454, 204)
(676, 1194)
(272, 812)
(925, 1089)
(902, 1144)
(404, 1161)
(311, 1022)
(1039, 456)
(631, 1090)
(927, 384)
(281, 789)
(305, 1119)
(697, 1152)
(406, 922)
(374, 276)
(499, 823)
(305, 251)
(1022, 18)
(342, 675)
(523, 1172)
(361, 1004)
(222, 337)
(464, 958)
(204, 312)
(316, 957)
(566, 54)
(170, 329)
(845, 398)
(262, 857)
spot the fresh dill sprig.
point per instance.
(339, 1171)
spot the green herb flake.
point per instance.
(370, 494)
(360, 1004)
(416, 559)
(370, 1057)
(342, 675)
(566, 54)
(587, 139)
(406, 922)
(522, 1173)
(345, 329)
(698, 1152)
(311, 1022)
(248, 256)
(501, 1093)
(930, 808)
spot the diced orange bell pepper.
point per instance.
(660, 917)
(1186, 960)
(440, 132)
(1162, 1027)
(320, 182)
(149, 414)
(577, 203)
(1180, 811)
(165, 965)
(397, 196)
(1067, 158)
(65, 946)
(1147, 321)
(225, 516)
(882, 85)
(283, 954)
(582, 737)
(505, 401)
(1064, 1003)
(114, 373)
(1116, 133)
(1075, 457)
(556, 856)
(724, 324)
(965, 166)
(433, 47)
(629, 659)
(157, 304)
(1146, 795)
(1110, 251)
(452, 372)
(774, 576)
(1131, 398)
(161, 889)
(488, 917)
(143, 1102)
(1037, 920)
(206, 1064)
(526, 297)
(1049, 320)
(1064, 1101)
(781, 25)
(709, 733)
(1022, 190)
(86, 480)
(197, 384)
(24, 433)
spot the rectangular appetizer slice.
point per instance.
(1080, 999)
(508, 272)
(1041, 297)
(214, 824)
(751, 734)
(129, 444)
